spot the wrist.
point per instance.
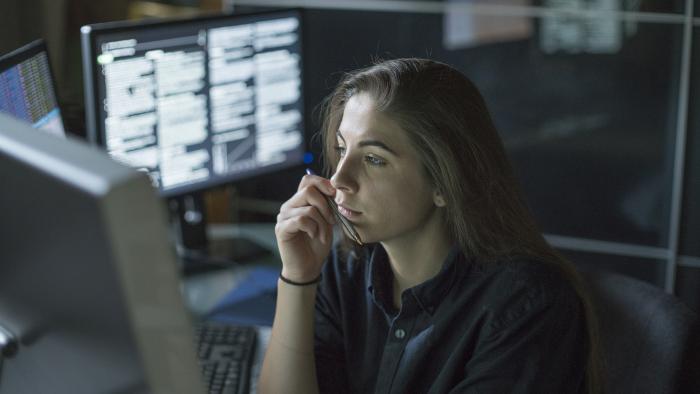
(295, 282)
(299, 276)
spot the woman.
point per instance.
(452, 289)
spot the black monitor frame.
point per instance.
(95, 128)
(26, 52)
(186, 203)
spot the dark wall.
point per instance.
(591, 133)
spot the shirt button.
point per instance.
(399, 333)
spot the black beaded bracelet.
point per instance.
(291, 282)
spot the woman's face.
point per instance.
(381, 185)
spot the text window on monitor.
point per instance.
(196, 103)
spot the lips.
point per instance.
(347, 212)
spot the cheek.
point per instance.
(401, 201)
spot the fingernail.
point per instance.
(309, 171)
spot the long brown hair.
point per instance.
(447, 121)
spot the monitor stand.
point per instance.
(199, 253)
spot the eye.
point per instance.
(340, 150)
(375, 160)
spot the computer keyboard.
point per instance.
(226, 356)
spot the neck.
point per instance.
(417, 257)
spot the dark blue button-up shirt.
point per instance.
(508, 327)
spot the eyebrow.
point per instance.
(370, 142)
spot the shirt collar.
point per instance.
(428, 294)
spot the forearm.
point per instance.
(289, 365)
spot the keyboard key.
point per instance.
(225, 356)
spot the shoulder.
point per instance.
(520, 289)
(531, 276)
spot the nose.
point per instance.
(345, 176)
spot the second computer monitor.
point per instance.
(28, 89)
(197, 102)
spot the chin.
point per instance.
(366, 239)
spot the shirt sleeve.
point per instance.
(328, 336)
(534, 342)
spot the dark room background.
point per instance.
(594, 99)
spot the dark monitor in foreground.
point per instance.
(197, 103)
(88, 283)
(28, 89)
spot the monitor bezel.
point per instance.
(95, 130)
(26, 52)
(66, 186)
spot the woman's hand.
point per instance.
(304, 229)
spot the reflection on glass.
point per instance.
(590, 132)
(590, 135)
(602, 34)
(465, 28)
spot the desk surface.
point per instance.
(203, 291)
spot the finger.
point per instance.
(298, 224)
(307, 210)
(326, 228)
(310, 196)
(323, 184)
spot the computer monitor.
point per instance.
(28, 90)
(88, 281)
(198, 102)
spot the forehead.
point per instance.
(361, 121)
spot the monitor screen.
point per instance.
(197, 102)
(27, 88)
(88, 282)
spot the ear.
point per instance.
(438, 199)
